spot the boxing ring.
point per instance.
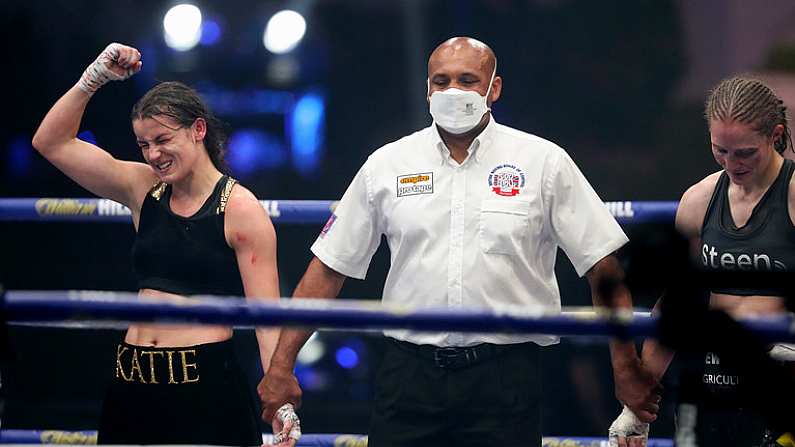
(108, 309)
(280, 211)
(53, 437)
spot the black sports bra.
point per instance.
(186, 255)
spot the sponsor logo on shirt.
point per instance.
(718, 379)
(721, 379)
(712, 258)
(413, 184)
(506, 180)
(329, 224)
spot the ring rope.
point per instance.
(280, 211)
(43, 306)
(123, 325)
(89, 437)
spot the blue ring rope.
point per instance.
(89, 437)
(281, 211)
(42, 306)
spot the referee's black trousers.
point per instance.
(427, 397)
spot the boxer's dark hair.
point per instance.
(184, 105)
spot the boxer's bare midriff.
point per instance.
(739, 307)
(168, 335)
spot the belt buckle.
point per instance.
(444, 357)
(451, 357)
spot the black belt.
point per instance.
(457, 357)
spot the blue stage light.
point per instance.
(306, 128)
(246, 103)
(252, 149)
(20, 156)
(88, 137)
(211, 33)
(347, 357)
(311, 379)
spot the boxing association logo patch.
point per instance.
(413, 184)
(329, 224)
(506, 180)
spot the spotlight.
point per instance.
(183, 27)
(284, 31)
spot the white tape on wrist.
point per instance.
(287, 413)
(783, 352)
(627, 425)
(99, 73)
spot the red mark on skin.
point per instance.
(240, 237)
(253, 259)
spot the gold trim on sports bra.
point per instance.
(230, 182)
(158, 190)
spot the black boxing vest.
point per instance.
(186, 255)
(766, 243)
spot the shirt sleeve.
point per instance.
(579, 220)
(352, 234)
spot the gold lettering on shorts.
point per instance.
(185, 365)
(170, 367)
(136, 365)
(151, 354)
(190, 369)
(119, 370)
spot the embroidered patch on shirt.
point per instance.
(413, 184)
(329, 224)
(506, 180)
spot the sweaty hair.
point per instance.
(184, 105)
(750, 101)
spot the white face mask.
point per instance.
(459, 111)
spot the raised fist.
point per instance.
(117, 62)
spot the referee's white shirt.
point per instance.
(482, 234)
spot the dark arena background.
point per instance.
(619, 84)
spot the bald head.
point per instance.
(464, 48)
(466, 64)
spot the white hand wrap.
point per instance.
(783, 352)
(99, 73)
(627, 425)
(287, 413)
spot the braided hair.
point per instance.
(749, 101)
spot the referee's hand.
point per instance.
(639, 391)
(278, 387)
